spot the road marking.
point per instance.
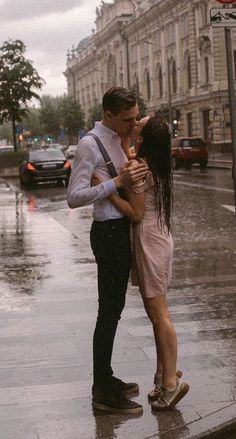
(231, 208)
(203, 186)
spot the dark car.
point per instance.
(186, 151)
(43, 165)
(70, 151)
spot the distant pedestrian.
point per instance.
(149, 206)
(110, 239)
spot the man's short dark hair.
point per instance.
(117, 99)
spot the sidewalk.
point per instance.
(47, 313)
(217, 160)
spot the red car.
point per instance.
(188, 150)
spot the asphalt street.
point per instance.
(48, 311)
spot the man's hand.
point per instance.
(130, 174)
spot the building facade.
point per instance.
(168, 51)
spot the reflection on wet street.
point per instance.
(48, 310)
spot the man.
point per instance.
(109, 237)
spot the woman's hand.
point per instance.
(95, 180)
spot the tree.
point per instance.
(18, 82)
(71, 117)
(95, 113)
(32, 123)
(50, 118)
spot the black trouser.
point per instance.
(111, 247)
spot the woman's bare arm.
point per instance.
(133, 207)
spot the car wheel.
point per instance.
(203, 164)
(188, 164)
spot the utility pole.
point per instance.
(232, 102)
(169, 97)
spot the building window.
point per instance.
(203, 14)
(148, 86)
(136, 85)
(174, 76)
(160, 83)
(189, 124)
(235, 64)
(111, 71)
(189, 76)
(206, 69)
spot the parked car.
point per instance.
(43, 165)
(70, 151)
(186, 151)
(6, 148)
(56, 146)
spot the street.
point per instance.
(48, 311)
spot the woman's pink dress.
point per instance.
(152, 248)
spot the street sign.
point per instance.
(223, 17)
(226, 2)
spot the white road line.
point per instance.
(203, 186)
(231, 208)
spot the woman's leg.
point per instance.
(165, 338)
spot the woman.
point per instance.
(149, 206)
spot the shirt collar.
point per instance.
(105, 130)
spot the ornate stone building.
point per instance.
(168, 51)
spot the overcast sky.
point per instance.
(48, 28)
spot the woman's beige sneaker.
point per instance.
(154, 394)
(169, 398)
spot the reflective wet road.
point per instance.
(48, 309)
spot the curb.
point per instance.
(219, 164)
(217, 425)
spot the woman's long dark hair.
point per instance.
(156, 149)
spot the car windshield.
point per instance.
(192, 143)
(46, 154)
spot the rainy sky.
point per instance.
(47, 28)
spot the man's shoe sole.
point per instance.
(105, 408)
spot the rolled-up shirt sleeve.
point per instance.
(80, 192)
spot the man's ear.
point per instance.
(107, 115)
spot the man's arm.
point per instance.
(80, 192)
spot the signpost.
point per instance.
(226, 17)
(223, 17)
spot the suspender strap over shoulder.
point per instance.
(107, 159)
(111, 168)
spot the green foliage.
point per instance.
(71, 117)
(18, 82)
(32, 123)
(6, 132)
(95, 114)
(49, 118)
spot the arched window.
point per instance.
(160, 83)
(174, 76)
(147, 85)
(111, 71)
(136, 84)
(187, 68)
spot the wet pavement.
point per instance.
(48, 310)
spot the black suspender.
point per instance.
(111, 168)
